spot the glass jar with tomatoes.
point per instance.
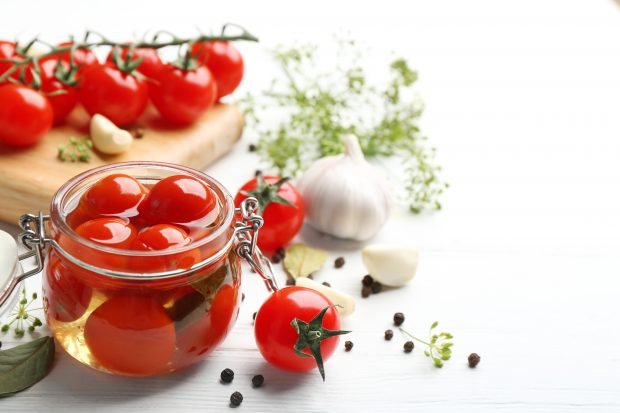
(141, 265)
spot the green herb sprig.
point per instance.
(439, 346)
(21, 317)
(77, 150)
(319, 108)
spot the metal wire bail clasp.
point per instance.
(33, 238)
(247, 234)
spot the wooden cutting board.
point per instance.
(29, 178)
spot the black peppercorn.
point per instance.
(366, 291)
(399, 318)
(276, 259)
(235, 399)
(258, 172)
(137, 132)
(242, 297)
(348, 345)
(367, 280)
(252, 147)
(227, 375)
(258, 380)
(325, 283)
(408, 346)
(473, 360)
(281, 252)
(388, 335)
(290, 281)
(254, 316)
(339, 263)
(376, 287)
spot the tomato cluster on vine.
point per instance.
(37, 93)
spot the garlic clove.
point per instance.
(107, 137)
(346, 302)
(393, 266)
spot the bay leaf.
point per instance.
(301, 260)
(25, 365)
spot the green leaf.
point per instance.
(25, 365)
(301, 260)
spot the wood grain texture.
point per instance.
(29, 178)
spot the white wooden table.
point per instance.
(522, 265)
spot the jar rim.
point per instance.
(61, 224)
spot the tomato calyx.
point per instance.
(310, 336)
(66, 76)
(129, 64)
(186, 61)
(267, 193)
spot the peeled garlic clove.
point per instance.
(393, 266)
(107, 137)
(346, 302)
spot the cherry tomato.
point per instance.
(118, 96)
(62, 103)
(111, 232)
(180, 199)
(282, 221)
(131, 335)
(84, 58)
(225, 63)
(25, 115)
(67, 298)
(116, 194)
(276, 337)
(150, 65)
(162, 237)
(8, 51)
(78, 216)
(181, 96)
(201, 335)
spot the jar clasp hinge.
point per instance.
(246, 231)
(34, 239)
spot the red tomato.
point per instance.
(276, 337)
(181, 96)
(111, 232)
(7, 51)
(78, 216)
(84, 58)
(63, 103)
(150, 65)
(225, 63)
(162, 237)
(282, 221)
(118, 96)
(131, 335)
(67, 298)
(116, 194)
(196, 339)
(180, 199)
(25, 115)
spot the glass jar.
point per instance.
(142, 313)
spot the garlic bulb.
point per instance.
(344, 195)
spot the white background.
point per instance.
(522, 265)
